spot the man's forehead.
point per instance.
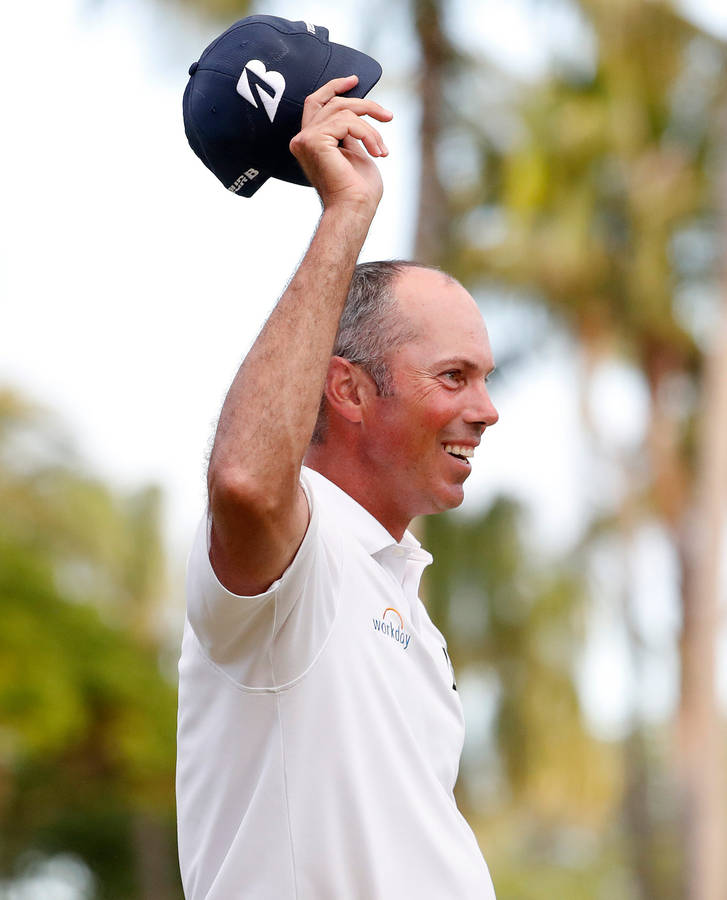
(442, 314)
(425, 292)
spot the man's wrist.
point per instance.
(352, 217)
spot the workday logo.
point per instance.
(392, 624)
(269, 86)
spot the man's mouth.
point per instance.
(460, 452)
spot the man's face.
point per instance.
(415, 439)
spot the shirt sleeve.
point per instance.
(267, 641)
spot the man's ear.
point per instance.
(348, 388)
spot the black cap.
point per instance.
(244, 99)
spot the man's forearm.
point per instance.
(270, 410)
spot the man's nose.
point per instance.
(482, 410)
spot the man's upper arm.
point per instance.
(250, 546)
(268, 639)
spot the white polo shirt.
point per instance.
(319, 732)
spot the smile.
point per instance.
(460, 452)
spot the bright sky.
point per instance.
(133, 283)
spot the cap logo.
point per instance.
(269, 86)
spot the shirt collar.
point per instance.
(370, 533)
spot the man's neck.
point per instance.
(360, 486)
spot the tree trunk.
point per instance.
(433, 208)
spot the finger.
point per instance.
(351, 126)
(331, 88)
(336, 126)
(318, 99)
(360, 106)
(328, 96)
(352, 146)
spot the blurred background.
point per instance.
(566, 160)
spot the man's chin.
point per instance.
(451, 498)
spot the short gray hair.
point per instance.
(372, 326)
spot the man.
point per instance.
(319, 731)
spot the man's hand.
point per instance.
(335, 145)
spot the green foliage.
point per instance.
(87, 721)
(223, 12)
(603, 190)
(611, 166)
(520, 626)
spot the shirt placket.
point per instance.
(406, 565)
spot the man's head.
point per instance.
(401, 438)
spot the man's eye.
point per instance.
(454, 376)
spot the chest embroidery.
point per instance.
(392, 624)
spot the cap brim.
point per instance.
(347, 61)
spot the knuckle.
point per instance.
(340, 119)
(297, 143)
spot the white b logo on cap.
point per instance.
(273, 80)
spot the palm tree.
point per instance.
(612, 182)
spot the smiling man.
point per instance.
(319, 725)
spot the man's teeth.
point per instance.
(456, 450)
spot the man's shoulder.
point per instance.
(324, 493)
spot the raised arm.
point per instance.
(259, 512)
